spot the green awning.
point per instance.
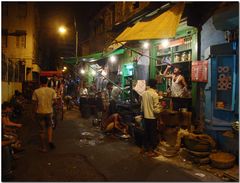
(70, 60)
(93, 57)
(115, 52)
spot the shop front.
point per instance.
(178, 52)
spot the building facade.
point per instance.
(103, 25)
(20, 61)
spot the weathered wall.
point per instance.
(210, 36)
(8, 90)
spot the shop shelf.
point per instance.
(186, 50)
(164, 54)
(157, 65)
(182, 62)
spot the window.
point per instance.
(4, 38)
(135, 5)
(22, 10)
(20, 39)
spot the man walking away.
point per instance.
(150, 106)
(44, 97)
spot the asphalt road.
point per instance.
(91, 156)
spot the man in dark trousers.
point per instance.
(150, 107)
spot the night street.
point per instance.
(120, 91)
(110, 160)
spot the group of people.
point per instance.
(106, 106)
(150, 107)
(44, 98)
(11, 142)
(106, 100)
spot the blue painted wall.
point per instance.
(210, 36)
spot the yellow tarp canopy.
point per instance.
(164, 26)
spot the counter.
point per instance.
(171, 118)
(176, 103)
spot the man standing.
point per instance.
(178, 85)
(150, 106)
(115, 93)
(44, 97)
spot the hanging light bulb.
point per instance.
(82, 71)
(165, 43)
(113, 59)
(146, 45)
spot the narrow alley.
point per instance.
(146, 91)
(107, 158)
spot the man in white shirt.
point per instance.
(150, 106)
(44, 97)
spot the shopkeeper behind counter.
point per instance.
(178, 84)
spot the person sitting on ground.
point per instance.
(9, 128)
(6, 110)
(113, 122)
(17, 102)
(7, 159)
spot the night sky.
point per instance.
(54, 14)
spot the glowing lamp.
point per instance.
(146, 45)
(113, 59)
(165, 43)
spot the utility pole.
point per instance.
(76, 40)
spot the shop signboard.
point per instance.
(140, 87)
(200, 71)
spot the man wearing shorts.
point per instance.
(44, 97)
